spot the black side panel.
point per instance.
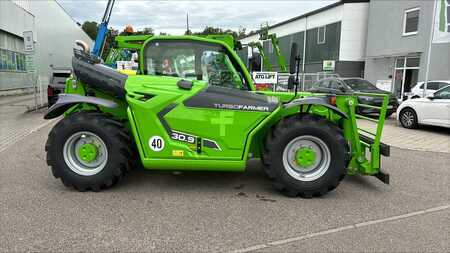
(65, 101)
(232, 99)
(161, 114)
(315, 101)
(100, 77)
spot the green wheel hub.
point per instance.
(305, 157)
(87, 152)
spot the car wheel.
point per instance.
(408, 118)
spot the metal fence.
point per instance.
(306, 80)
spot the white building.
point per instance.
(336, 32)
(399, 41)
(54, 33)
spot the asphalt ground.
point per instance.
(222, 212)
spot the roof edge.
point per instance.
(330, 6)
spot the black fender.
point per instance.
(65, 101)
(323, 101)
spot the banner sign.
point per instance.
(265, 77)
(126, 65)
(328, 65)
(29, 63)
(28, 41)
(442, 22)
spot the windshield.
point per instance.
(443, 93)
(193, 60)
(360, 84)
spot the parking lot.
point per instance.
(221, 212)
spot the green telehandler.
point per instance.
(192, 105)
(272, 37)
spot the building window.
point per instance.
(12, 61)
(444, 16)
(321, 34)
(411, 22)
(448, 16)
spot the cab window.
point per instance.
(193, 60)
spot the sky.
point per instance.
(170, 16)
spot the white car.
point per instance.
(432, 87)
(432, 110)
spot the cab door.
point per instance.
(220, 119)
(221, 116)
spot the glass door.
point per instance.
(405, 75)
(398, 83)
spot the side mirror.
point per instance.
(292, 62)
(291, 82)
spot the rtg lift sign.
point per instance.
(265, 80)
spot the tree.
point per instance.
(90, 28)
(241, 32)
(145, 31)
(209, 30)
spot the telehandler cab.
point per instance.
(193, 106)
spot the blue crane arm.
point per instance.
(102, 30)
(100, 39)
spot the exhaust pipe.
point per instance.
(84, 46)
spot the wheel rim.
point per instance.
(306, 158)
(408, 118)
(85, 153)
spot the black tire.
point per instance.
(408, 118)
(305, 125)
(112, 133)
